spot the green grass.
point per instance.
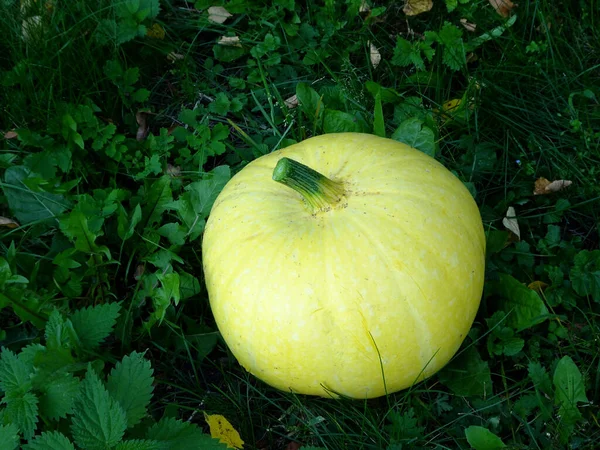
(96, 222)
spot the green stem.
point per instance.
(319, 192)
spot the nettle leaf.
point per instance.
(407, 53)
(22, 410)
(569, 389)
(141, 444)
(28, 204)
(413, 132)
(182, 435)
(9, 436)
(481, 438)
(204, 193)
(585, 274)
(467, 374)
(540, 377)
(454, 56)
(14, 373)
(98, 421)
(130, 383)
(94, 323)
(58, 396)
(75, 226)
(525, 307)
(58, 331)
(50, 440)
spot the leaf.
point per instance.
(467, 374)
(75, 226)
(310, 101)
(231, 41)
(540, 377)
(545, 187)
(49, 440)
(204, 193)
(188, 285)
(141, 444)
(415, 7)
(454, 56)
(98, 421)
(378, 122)
(510, 222)
(183, 435)
(568, 383)
(374, 55)
(413, 132)
(502, 7)
(57, 332)
(404, 426)
(130, 383)
(218, 14)
(9, 436)
(8, 223)
(221, 429)
(14, 373)
(221, 105)
(26, 204)
(338, 122)
(525, 306)
(585, 274)
(94, 323)
(174, 232)
(126, 228)
(158, 196)
(22, 410)
(406, 53)
(481, 438)
(58, 396)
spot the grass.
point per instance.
(529, 109)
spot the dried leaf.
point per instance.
(139, 271)
(173, 171)
(414, 7)
(10, 134)
(221, 429)
(510, 222)
(218, 14)
(291, 102)
(544, 186)
(8, 223)
(468, 25)
(538, 286)
(502, 7)
(375, 55)
(156, 31)
(142, 131)
(232, 41)
(364, 7)
(173, 56)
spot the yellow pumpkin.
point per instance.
(357, 273)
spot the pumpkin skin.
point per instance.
(361, 299)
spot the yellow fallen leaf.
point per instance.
(537, 286)
(543, 186)
(156, 31)
(375, 55)
(414, 7)
(510, 222)
(218, 14)
(221, 429)
(502, 7)
(232, 41)
(8, 223)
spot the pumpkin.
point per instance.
(347, 264)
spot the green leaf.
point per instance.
(404, 426)
(406, 54)
(481, 438)
(98, 421)
(75, 226)
(451, 5)
(585, 274)
(57, 331)
(29, 205)
(467, 374)
(183, 436)
(454, 55)
(413, 132)
(309, 101)
(378, 123)
(50, 440)
(94, 323)
(188, 285)
(9, 436)
(540, 377)
(569, 385)
(220, 105)
(158, 196)
(14, 373)
(126, 227)
(204, 193)
(22, 410)
(174, 232)
(141, 444)
(525, 306)
(152, 166)
(338, 122)
(130, 383)
(58, 396)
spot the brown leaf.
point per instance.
(174, 56)
(291, 102)
(292, 446)
(543, 186)
(375, 55)
(142, 131)
(173, 171)
(414, 7)
(232, 41)
(510, 222)
(10, 134)
(139, 271)
(8, 223)
(468, 25)
(218, 14)
(538, 286)
(502, 7)
(156, 31)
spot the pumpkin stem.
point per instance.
(319, 192)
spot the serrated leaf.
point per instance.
(98, 421)
(540, 377)
(467, 374)
(130, 383)
(454, 55)
(405, 54)
(22, 410)
(26, 204)
(158, 196)
(14, 373)
(141, 444)
(404, 426)
(585, 274)
(9, 436)
(58, 396)
(49, 440)
(220, 105)
(481, 438)
(76, 227)
(183, 436)
(94, 323)
(413, 132)
(204, 193)
(57, 332)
